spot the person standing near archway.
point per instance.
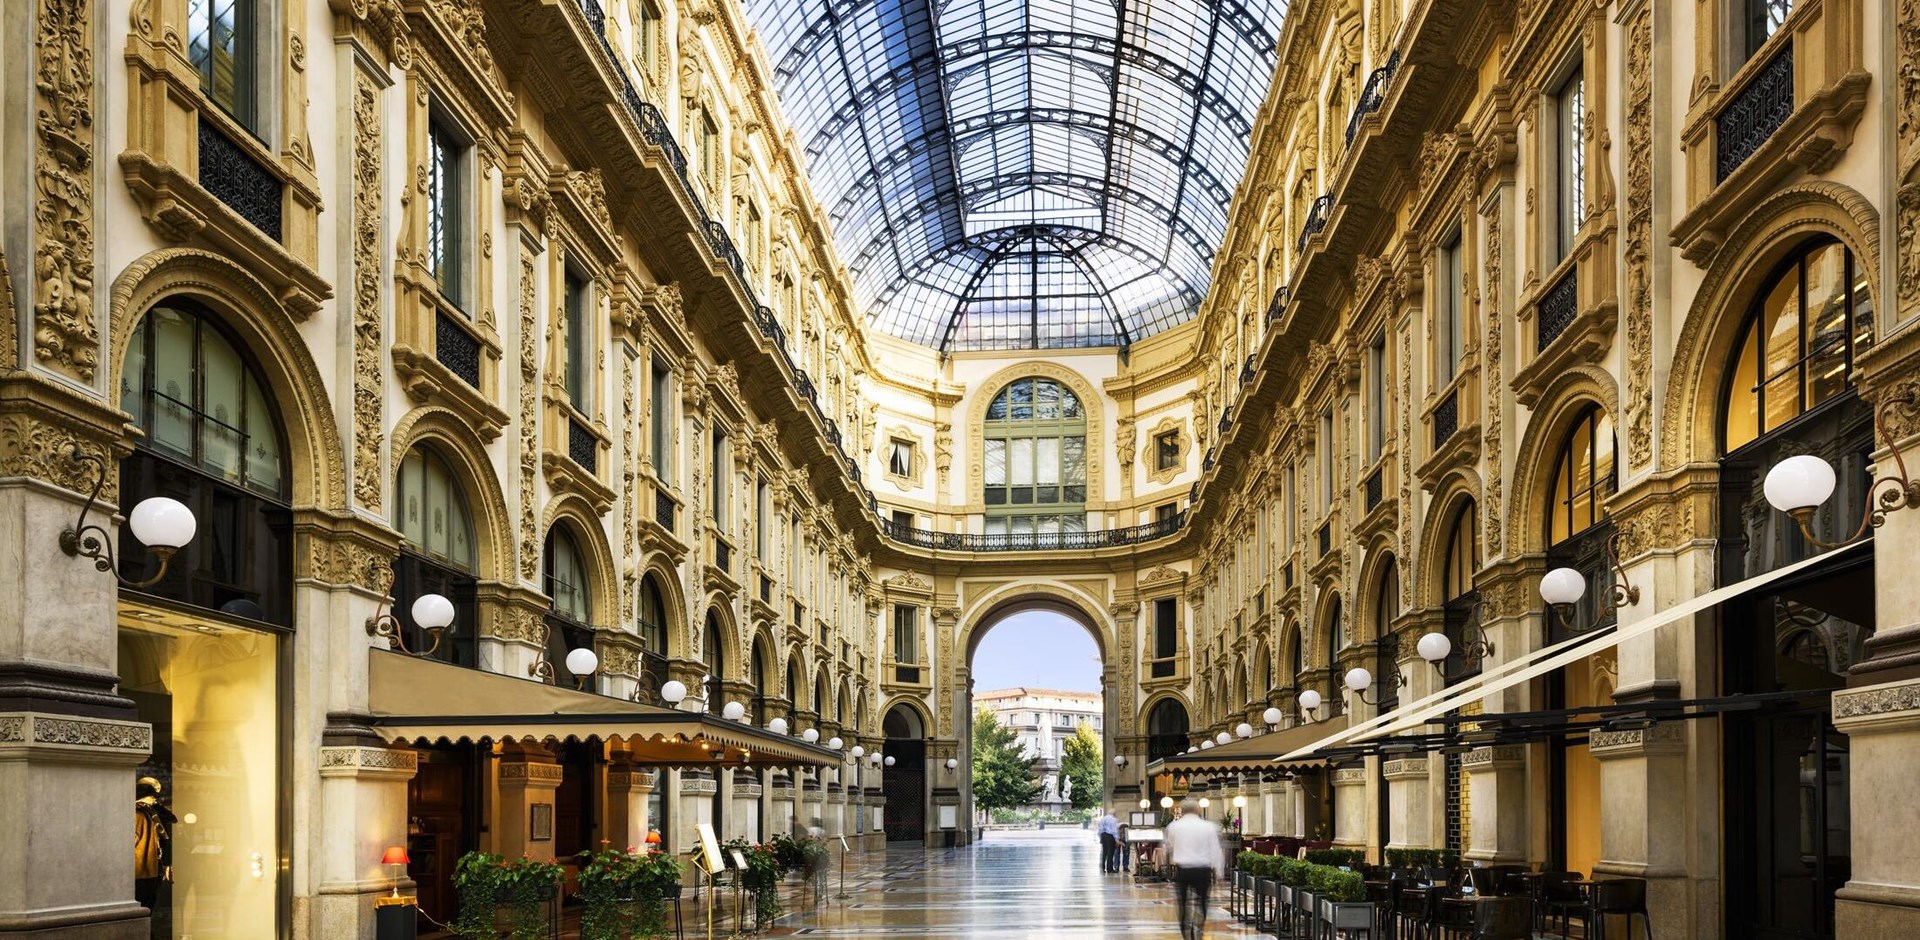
(1194, 851)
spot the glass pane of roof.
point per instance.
(1021, 174)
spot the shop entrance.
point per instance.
(444, 806)
(906, 781)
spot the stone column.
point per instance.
(1350, 807)
(528, 777)
(628, 787)
(1296, 808)
(743, 820)
(1497, 829)
(1408, 800)
(693, 805)
(813, 796)
(782, 805)
(1640, 771)
(1882, 724)
(363, 791)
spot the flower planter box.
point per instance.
(1350, 915)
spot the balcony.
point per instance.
(1316, 220)
(1373, 96)
(583, 446)
(1373, 489)
(230, 174)
(1753, 114)
(456, 348)
(664, 509)
(1446, 418)
(1038, 542)
(1278, 305)
(1558, 306)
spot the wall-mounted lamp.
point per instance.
(777, 726)
(1272, 717)
(1359, 680)
(889, 760)
(952, 763)
(1166, 802)
(1119, 760)
(811, 735)
(834, 743)
(1562, 588)
(581, 663)
(431, 612)
(1435, 647)
(1798, 485)
(733, 711)
(1223, 738)
(163, 525)
(1310, 703)
(1243, 730)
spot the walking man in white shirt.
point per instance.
(1109, 842)
(1196, 856)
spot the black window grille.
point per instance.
(582, 446)
(1558, 306)
(234, 177)
(456, 348)
(1754, 114)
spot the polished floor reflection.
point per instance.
(1015, 884)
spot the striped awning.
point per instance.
(1250, 755)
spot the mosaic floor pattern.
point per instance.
(1013, 885)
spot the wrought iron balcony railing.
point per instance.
(1558, 306)
(1278, 305)
(1373, 96)
(1446, 419)
(1050, 541)
(1316, 220)
(1755, 112)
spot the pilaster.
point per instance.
(1497, 778)
(1882, 724)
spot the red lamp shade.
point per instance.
(396, 855)
(653, 837)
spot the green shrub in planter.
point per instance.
(1292, 871)
(1249, 862)
(652, 878)
(1336, 885)
(478, 877)
(605, 882)
(1336, 857)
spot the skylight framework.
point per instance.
(1024, 174)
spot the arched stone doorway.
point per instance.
(905, 780)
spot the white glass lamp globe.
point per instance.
(582, 662)
(1243, 730)
(1207, 744)
(889, 760)
(1204, 802)
(1119, 760)
(673, 692)
(1146, 803)
(1359, 679)
(952, 762)
(873, 759)
(834, 743)
(810, 735)
(733, 711)
(1272, 716)
(1435, 647)
(1222, 738)
(1191, 748)
(432, 612)
(1310, 699)
(1801, 482)
(1563, 586)
(777, 726)
(1240, 802)
(859, 751)
(1166, 802)
(159, 522)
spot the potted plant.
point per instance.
(1343, 899)
(526, 884)
(1295, 896)
(762, 877)
(606, 902)
(477, 877)
(653, 878)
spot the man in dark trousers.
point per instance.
(1196, 857)
(1109, 842)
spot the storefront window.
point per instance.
(206, 805)
(1797, 348)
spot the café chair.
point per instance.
(1626, 897)
(1503, 919)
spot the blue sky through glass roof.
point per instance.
(1024, 174)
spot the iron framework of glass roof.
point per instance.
(1024, 174)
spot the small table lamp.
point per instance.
(396, 856)
(393, 916)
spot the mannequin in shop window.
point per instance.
(152, 842)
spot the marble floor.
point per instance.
(1013, 885)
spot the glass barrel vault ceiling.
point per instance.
(1024, 174)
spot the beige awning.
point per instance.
(1257, 754)
(422, 701)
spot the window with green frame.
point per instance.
(1036, 460)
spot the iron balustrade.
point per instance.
(1049, 541)
(1246, 370)
(663, 509)
(722, 556)
(1373, 488)
(1557, 308)
(1325, 537)
(1278, 305)
(456, 348)
(1373, 96)
(1316, 220)
(233, 176)
(833, 432)
(803, 383)
(766, 589)
(1226, 418)
(1446, 418)
(582, 446)
(1755, 112)
(1206, 463)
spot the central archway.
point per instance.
(991, 611)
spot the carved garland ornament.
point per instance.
(367, 348)
(1495, 383)
(529, 437)
(1907, 109)
(65, 336)
(1638, 245)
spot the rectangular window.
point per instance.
(709, 148)
(650, 40)
(1447, 329)
(579, 343)
(1165, 512)
(1325, 448)
(1570, 172)
(903, 518)
(446, 210)
(221, 40)
(762, 521)
(1287, 495)
(1376, 399)
(660, 416)
(722, 479)
(1166, 451)
(906, 634)
(1166, 628)
(1762, 19)
(899, 457)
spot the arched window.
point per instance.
(793, 691)
(1296, 662)
(199, 402)
(1332, 636)
(1166, 730)
(759, 678)
(1266, 672)
(1796, 350)
(1460, 599)
(1035, 460)
(438, 556)
(212, 440)
(567, 618)
(1386, 599)
(1583, 477)
(715, 658)
(653, 638)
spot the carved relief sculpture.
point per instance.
(367, 258)
(65, 336)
